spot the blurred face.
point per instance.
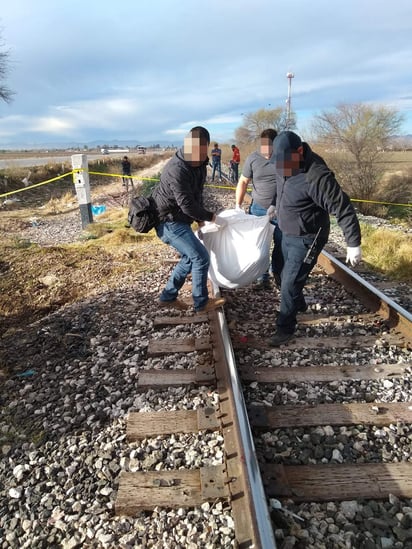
(195, 150)
(266, 147)
(290, 164)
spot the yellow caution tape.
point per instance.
(78, 170)
(36, 185)
(376, 202)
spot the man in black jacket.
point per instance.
(126, 172)
(179, 200)
(306, 194)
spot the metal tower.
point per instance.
(289, 76)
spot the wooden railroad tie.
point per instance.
(179, 488)
(322, 374)
(165, 346)
(328, 482)
(149, 424)
(350, 342)
(291, 416)
(201, 375)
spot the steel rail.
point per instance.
(370, 296)
(257, 496)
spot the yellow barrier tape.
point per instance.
(352, 199)
(376, 202)
(120, 175)
(157, 179)
(223, 187)
(36, 185)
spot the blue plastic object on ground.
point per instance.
(98, 209)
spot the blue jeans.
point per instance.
(217, 166)
(194, 258)
(294, 275)
(277, 257)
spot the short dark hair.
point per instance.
(201, 132)
(269, 133)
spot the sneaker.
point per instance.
(279, 338)
(175, 304)
(212, 304)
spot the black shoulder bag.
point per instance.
(143, 214)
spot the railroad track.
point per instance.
(272, 461)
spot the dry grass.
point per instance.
(36, 280)
(389, 252)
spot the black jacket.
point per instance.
(179, 194)
(126, 167)
(304, 202)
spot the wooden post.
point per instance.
(82, 186)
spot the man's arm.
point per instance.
(241, 188)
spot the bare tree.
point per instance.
(358, 135)
(5, 93)
(255, 122)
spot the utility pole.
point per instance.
(289, 76)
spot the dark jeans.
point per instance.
(294, 275)
(194, 258)
(277, 254)
(277, 257)
(216, 166)
(127, 178)
(235, 167)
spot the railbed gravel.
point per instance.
(62, 425)
(357, 524)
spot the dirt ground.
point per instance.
(70, 263)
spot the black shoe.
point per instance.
(279, 338)
(277, 279)
(303, 307)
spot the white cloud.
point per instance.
(141, 70)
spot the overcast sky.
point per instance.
(149, 70)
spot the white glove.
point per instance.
(271, 212)
(354, 255)
(238, 208)
(208, 227)
(220, 221)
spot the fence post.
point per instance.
(82, 186)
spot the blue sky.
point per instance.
(148, 70)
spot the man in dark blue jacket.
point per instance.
(179, 200)
(306, 194)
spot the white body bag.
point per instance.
(239, 251)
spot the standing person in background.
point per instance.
(306, 194)
(261, 173)
(126, 172)
(179, 200)
(217, 161)
(235, 162)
